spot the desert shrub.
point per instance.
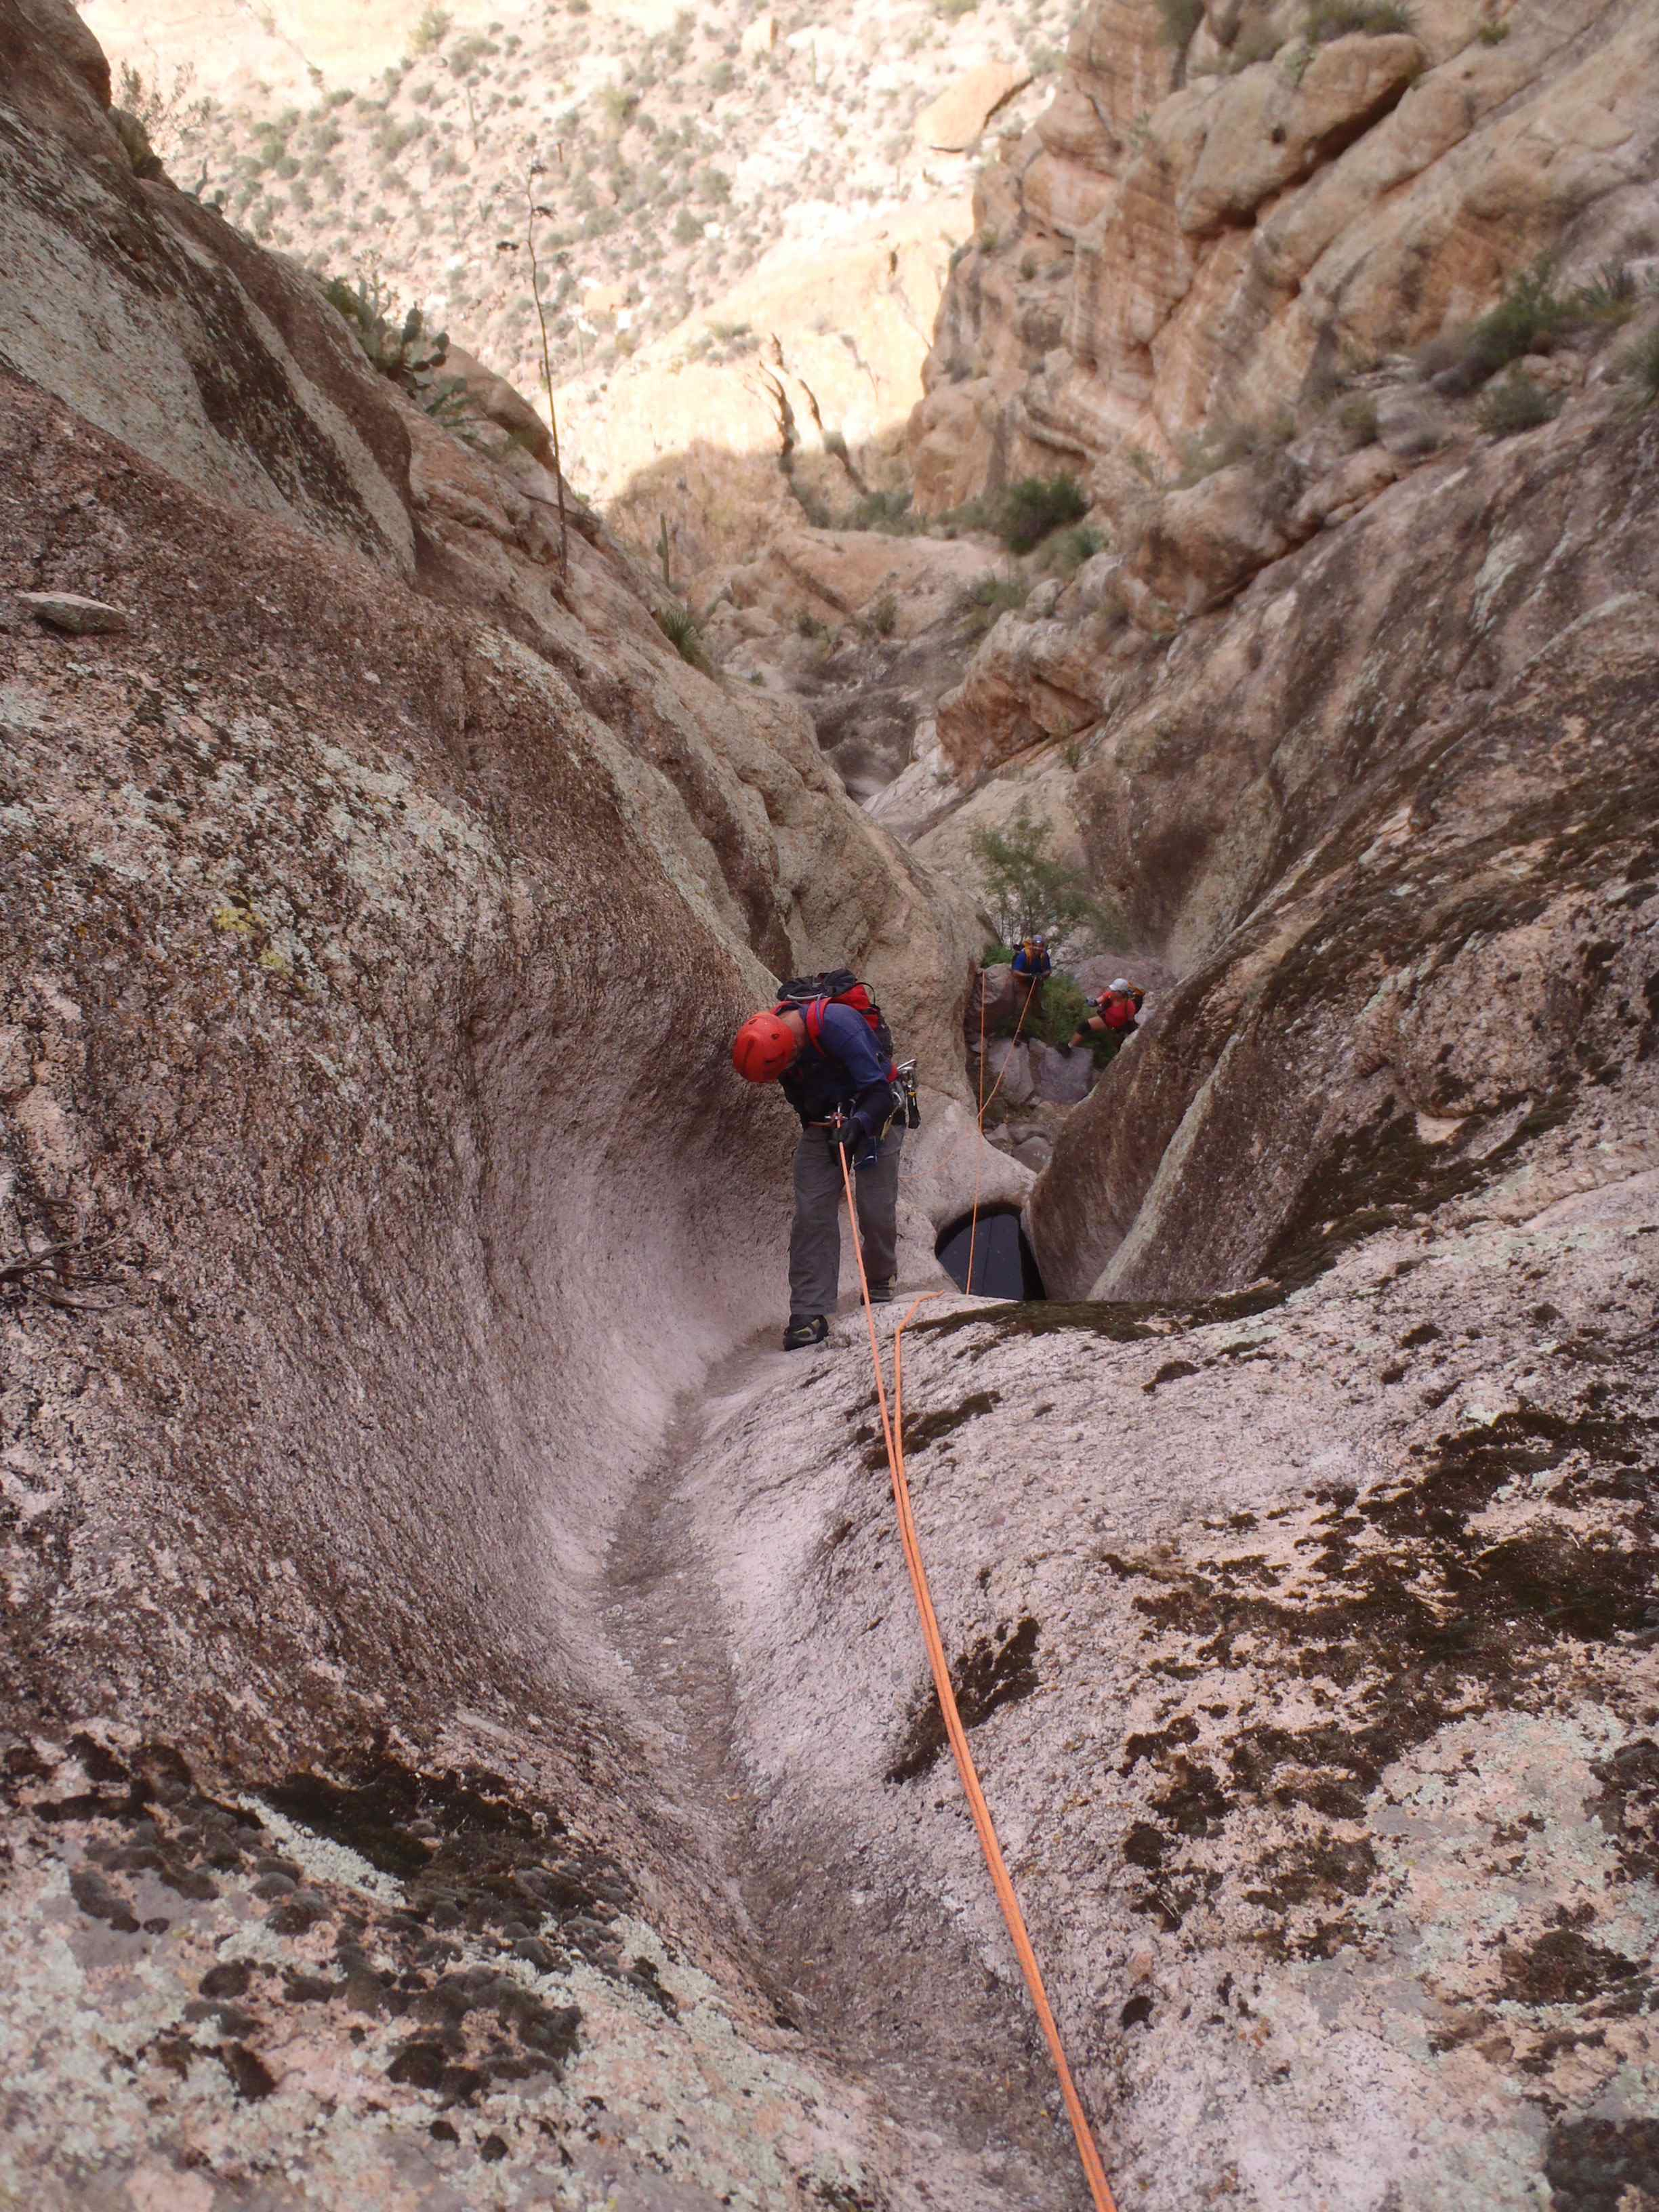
(448, 400)
(466, 54)
(886, 511)
(987, 598)
(811, 503)
(431, 30)
(1067, 550)
(884, 615)
(687, 229)
(619, 104)
(809, 627)
(1030, 509)
(1027, 890)
(1357, 413)
(679, 626)
(1233, 439)
(1181, 18)
(1517, 404)
(1065, 1007)
(953, 9)
(722, 77)
(1047, 61)
(1337, 19)
(1525, 320)
(1493, 34)
(1639, 368)
(1610, 295)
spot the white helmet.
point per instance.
(1121, 983)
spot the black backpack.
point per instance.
(808, 996)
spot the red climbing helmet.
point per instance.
(763, 1047)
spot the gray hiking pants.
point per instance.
(820, 1201)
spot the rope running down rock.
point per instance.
(893, 1438)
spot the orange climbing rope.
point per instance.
(892, 1430)
(985, 1103)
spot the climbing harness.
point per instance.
(892, 1430)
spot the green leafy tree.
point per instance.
(1029, 892)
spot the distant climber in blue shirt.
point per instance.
(1033, 967)
(1031, 959)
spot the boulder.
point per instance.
(1007, 1073)
(71, 611)
(1063, 1078)
(952, 122)
(1344, 490)
(1202, 544)
(495, 399)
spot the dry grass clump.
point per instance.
(1341, 19)
(1518, 402)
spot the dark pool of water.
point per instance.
(1004, 1264)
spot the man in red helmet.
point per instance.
(827, 1058)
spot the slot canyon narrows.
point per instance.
(1125, 527)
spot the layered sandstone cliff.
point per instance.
(1198, 232)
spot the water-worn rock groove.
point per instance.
(866, 1959)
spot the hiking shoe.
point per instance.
(881, 1291)
(805, 1329)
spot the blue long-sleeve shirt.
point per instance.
(849, 1076)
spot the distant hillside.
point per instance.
(671, 153)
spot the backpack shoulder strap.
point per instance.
(813, 1014)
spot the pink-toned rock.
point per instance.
(954, 121)
(74, 612)
(1359, 478)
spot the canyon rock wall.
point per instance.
(378, 905)
(1306, 1641)
(1196, 234)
